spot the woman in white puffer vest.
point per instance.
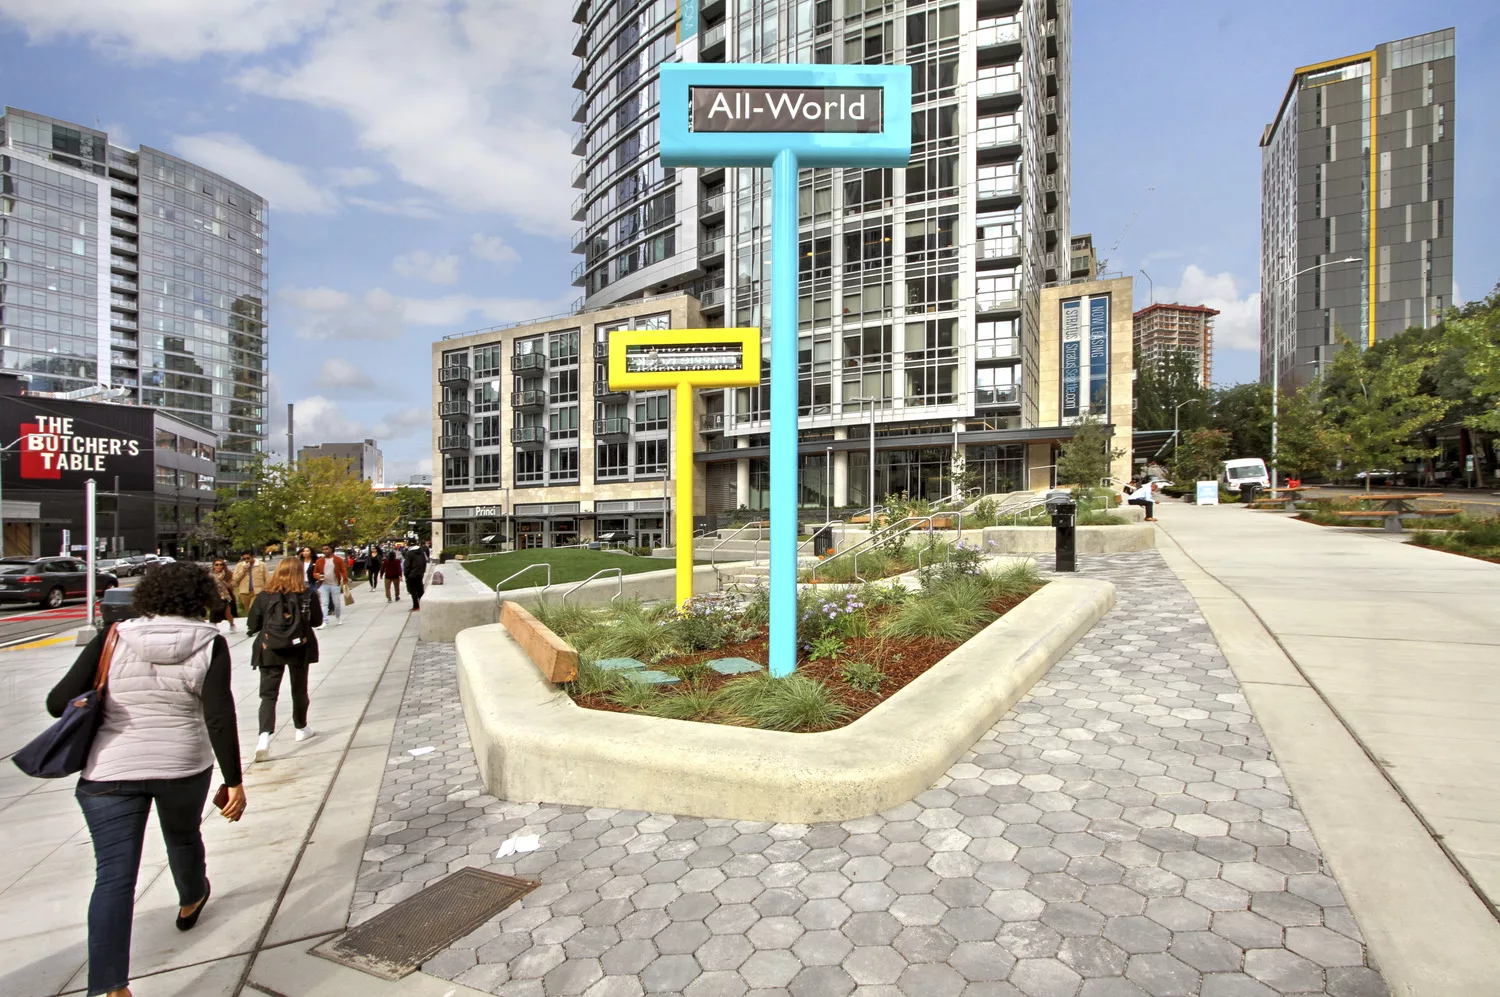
(168, 714)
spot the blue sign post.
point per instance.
(786, 117)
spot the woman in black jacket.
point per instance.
(285, 595)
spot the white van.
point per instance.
(1245, 471)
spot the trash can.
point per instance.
(822, 541)
(1249, 491)
(115, 606)
(1064, 523)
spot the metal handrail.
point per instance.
(815, 527)
(538, 564)
(758, 524)
(619, 591)
(874, 538)
(909, 529)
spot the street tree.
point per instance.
(1160, 386)
(331, 505)
(413, 505)
(1244, 412)
(1200, 455)
(1084, 461)
(1376, 404)
(1308, 442)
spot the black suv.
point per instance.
(48, 581)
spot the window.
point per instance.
(564, 348)
(652, 412)
(996, 386)
(563, 464)
(486, 469)
(487, 431)
(932, 178)
(455, 471)
(562, 423)
(816, 258)
(931, 293)
(562, 385)
(868, 248)
(612, 461)
(487, 397)
(996, 339)
(487, 361)
(530, 469)
(166, 477)
(866, 189)
(996, 292)
(651, 457)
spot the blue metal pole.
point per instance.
(783, 637)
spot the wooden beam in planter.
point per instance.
(550, 653)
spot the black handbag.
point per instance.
(63, 748)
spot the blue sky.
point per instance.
(417, 157)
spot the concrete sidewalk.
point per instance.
(274, 879)
(1375, 668)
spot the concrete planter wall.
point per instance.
(534, 744)
(1091, 539)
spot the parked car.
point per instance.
(1376, 475)
(49, 581)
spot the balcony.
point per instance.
(1008, 395)
(121, 166)
(123, 342)
(522, 362)
(613, 427)
(711, 207)
(581, 106)
(529, 437)
(124, 186)
(124, 245)
(990, 35)
(992, 303)
(121, 225)
(124, 206)
(580, 172)
(995, 250)
(449, 444)
(603, 390)
(601, 349)
(711, 299)
(123, 283)
(580, 207)
(711, 248)
(712, 422)
(989, 190)
(530, 398)
(454, 374)
(122, 360)
(123, 303)
(579, 269)
(580, 41)
(455, 407)
(122, 264)
(118, 321)
(711, 43)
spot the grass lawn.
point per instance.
(568, 565)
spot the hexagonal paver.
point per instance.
(1045, 978)
(1162, 975)
(1282, 970)
(982, 961)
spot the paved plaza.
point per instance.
(1124, 831)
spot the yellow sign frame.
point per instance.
(683, 382)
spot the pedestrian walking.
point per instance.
(305, 555)
(249, 578)
(414, 567)
(168, 714)
(390, 568)
(223, 608)
(332, 575)
(372, 565)
(281, 621)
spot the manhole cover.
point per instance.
(393, 944)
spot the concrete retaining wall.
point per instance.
(534, 744)
(464, 601)
(1091, 539)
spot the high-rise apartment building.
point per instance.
(134, 269)
(1358, 162)
(919, 287)
(1185, 330)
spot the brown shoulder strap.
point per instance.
(106, 656)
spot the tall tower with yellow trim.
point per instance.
(1358, 162)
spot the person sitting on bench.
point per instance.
(1143, 495)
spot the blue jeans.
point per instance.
(116, 815)
(332, 598)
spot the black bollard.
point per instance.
(1065, 551)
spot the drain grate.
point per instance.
(391, 945)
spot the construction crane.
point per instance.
(1103, 263)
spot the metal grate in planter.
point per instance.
(391, 945)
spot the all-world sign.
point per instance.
(823, 110)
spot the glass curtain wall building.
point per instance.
(134, 269)
(919, 287)
(1358, 162)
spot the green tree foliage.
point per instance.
(413, 505)
(317, 502)
(1244, 412)
(1200, 455)
(1161, 386)
(1467, 370)
(1308, 442)
(1375, 402)
(1085, 459)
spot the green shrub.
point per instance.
(640, 635)
(983, 514)
(862, 675)
(829, 645)
(1016, 580)
(566, 619)
(1100, 519)
(703, 626)
(794, 703)
(633, 695)
(926, 618)
(757, 612)
(1480, 533)
(687, 702)
(593, 680)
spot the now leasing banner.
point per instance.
(854, 110)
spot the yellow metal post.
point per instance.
(684, 464)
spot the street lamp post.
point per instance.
(1276, 360)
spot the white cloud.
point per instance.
(433, 269)
(404, 207)
(170, 29)
(317, 420)
(404, 422)
(492, 248)
(381, 315)
(340, 373)
(456, 99)
(1237, 326)
(351, 176)
(285, 186)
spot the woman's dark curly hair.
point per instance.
(180, 588)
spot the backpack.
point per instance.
(285, 624)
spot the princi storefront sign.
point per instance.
(787, 109)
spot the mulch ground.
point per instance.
(901, 659)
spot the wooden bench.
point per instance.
(1273, 503)
(550, 653)
(1394, 518)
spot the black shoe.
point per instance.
(186, 923)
